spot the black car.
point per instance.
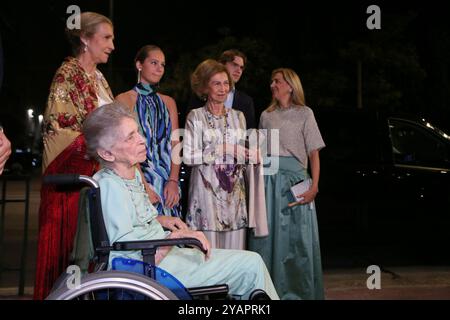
(384, 193)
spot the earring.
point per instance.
(139, 75)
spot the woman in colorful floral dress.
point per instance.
(213, 142)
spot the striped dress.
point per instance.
(155, 125)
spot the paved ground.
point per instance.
(399, 282)
(404, 283)
(11, 248)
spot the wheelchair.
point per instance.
(131, 280)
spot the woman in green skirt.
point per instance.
(291, 251)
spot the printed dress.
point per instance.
(217, 188)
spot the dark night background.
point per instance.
(404, 65)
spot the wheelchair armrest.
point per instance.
(154, 244)
(149, 247)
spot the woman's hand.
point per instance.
(309, 195)
(5, 150)
(253, 156)
(172, 223)
(171, 194)
(193, 234)
(240, 153)
(153, 196)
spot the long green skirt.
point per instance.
(291, 251)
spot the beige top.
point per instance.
(103, 95)
(298, 132)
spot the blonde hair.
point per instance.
(297, 95)
(89, 21)
(203, 73)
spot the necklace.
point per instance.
(145, 211)
(210, 118)
(225, 132)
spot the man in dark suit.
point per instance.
(234, 61)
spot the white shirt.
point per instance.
(229, 102)
(102, 94)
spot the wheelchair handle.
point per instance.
(69, 179)
(191, 242)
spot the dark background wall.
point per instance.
(404, 66)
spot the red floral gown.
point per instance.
(72, 97)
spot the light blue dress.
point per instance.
(129, 216)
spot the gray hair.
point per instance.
(100, 127)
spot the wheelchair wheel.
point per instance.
(114, 285)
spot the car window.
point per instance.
(415, 145)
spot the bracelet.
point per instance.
(173, 180)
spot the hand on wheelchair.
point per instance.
(187, 233)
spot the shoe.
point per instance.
(259, 294)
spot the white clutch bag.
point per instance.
(300, 188)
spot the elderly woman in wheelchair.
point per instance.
(112, 137)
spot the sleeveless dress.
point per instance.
(155, 125)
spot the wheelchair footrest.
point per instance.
(216, 291)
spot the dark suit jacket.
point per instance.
(241, 102)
